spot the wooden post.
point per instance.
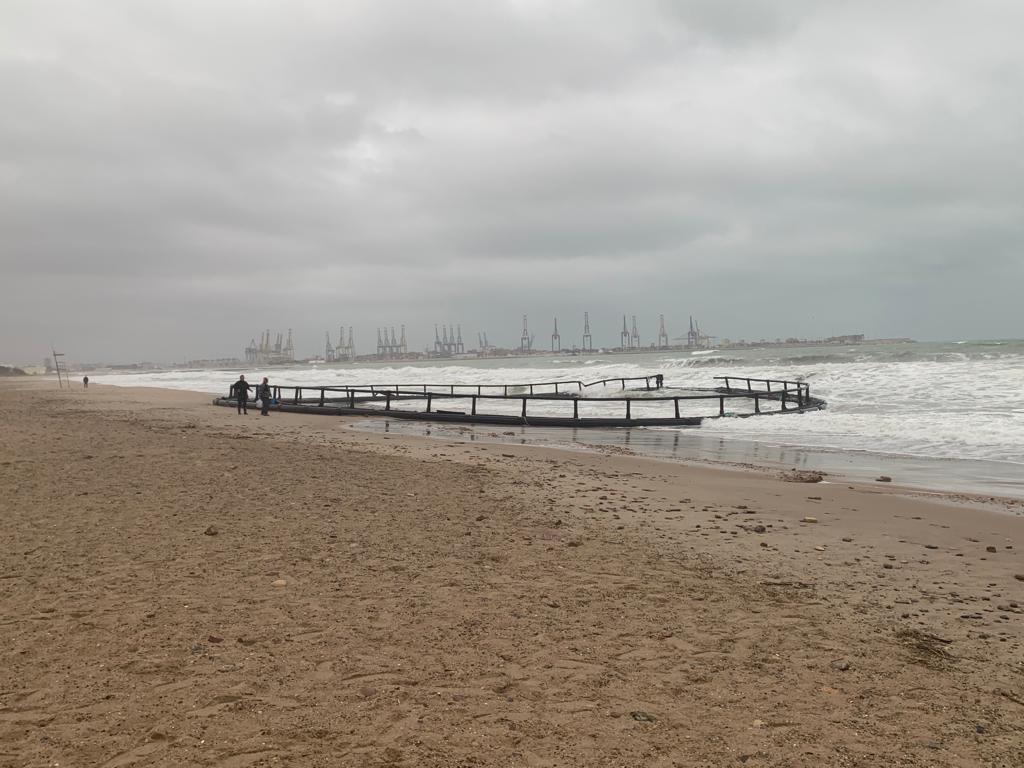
(474, 406)
(628, 402)
(676, 400)
(387, 403)
(575, 409)
(524, 407)
(321, 397)
(721, 406)
(757, 404)
(428, 402)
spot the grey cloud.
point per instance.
(171, 170)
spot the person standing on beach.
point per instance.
(241, 389)
(264, 394)
(85, 382)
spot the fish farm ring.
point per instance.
(638, 401)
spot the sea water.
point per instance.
(954, 401)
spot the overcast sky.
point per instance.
(176, 176)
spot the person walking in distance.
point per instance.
(241, 391)
(264, 394)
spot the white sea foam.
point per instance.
(957, 401)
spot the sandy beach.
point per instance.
(183, 586)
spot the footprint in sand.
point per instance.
(243, 759)
(323, 671)
(134, 755)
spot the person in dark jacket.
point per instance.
(264, 394)
(241, 391)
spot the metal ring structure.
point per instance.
(641, 401)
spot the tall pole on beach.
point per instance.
(56, 364)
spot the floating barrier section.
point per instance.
(644, 401)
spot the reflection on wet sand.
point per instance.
(691, 445)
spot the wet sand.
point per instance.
(184, 586)
(701, 445)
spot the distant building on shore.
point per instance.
(792, 341)
(218, 362)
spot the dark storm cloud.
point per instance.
(175, 176)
